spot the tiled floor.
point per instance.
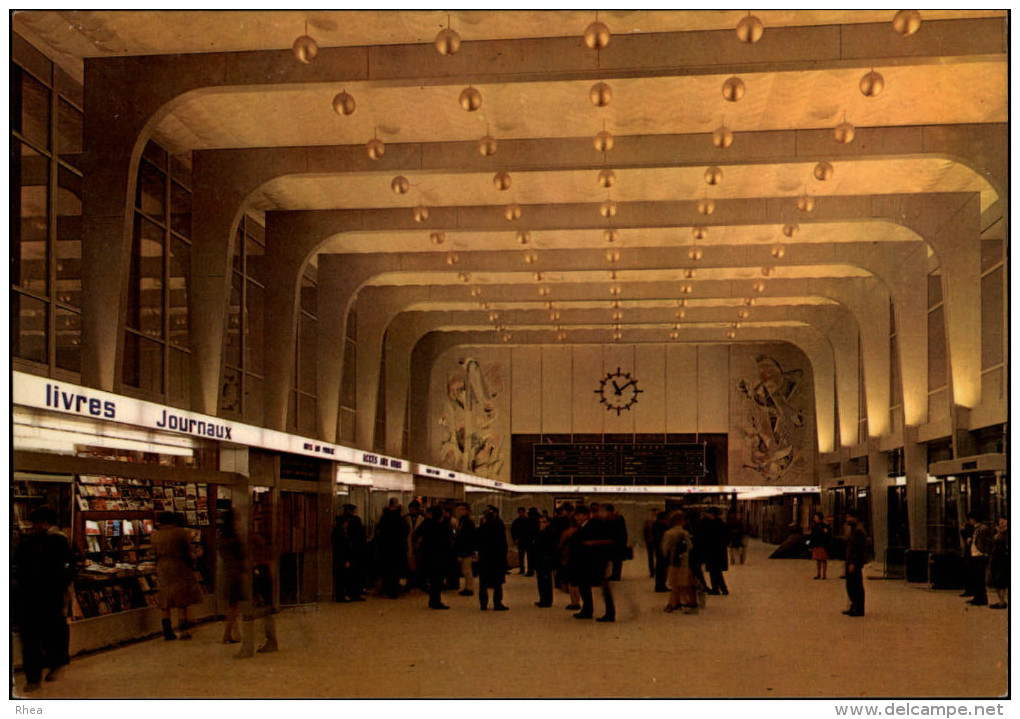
(778, 634)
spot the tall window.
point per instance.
(938, 354)
(301, 417)
(244, 371)
(157, 337)
(993, 334)
(45, 196)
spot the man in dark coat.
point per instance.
(436, 551)
(520, 533)
(546, 556)
(616, 529)
(856, 556)
(354, 531)
(391, 547)
(713, 536)
(44, 567)
(464, 541)
(492, 559)
(589, 557)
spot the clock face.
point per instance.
(618, 391)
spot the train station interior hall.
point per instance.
(324, 320)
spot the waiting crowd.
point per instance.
(576, 550)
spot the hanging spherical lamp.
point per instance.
(596, 35)
(790, 229)
(699, 232)
(537, 276)
(604, 141)
(530, 258)
(476, 291)
(778, 252)
(614, 290)
(844, 132)
(452, 258)
(731, 334)
(722, 137)
(733, 89)
(686, 289)
(561, 335)
(749, 301)
(343, 103)
(750, 29)
(607, 178)
(743, 313)
(375, 148)
(305, 49)
(695, 253)
(872, 84)
(437, 238)
(487, 145)
(470, 99)
(611, 235)
(464, 276)
(805, 203)
(600, 94)
(823, 171)
(768, 271)
(448, 41)
(421, 213)
(680, 314)
(501, 180)
(512, 211)
(506, 336)
(758, 286)
(524, 237)
(612, 255)
(907, 22)
(607, 208)
(400, 185)
(544, 291)
(713, 175)
(617, 315)
(554, 315)
(706, 206)
(689, 273)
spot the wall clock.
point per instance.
(618, 391)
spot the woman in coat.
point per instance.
(676, 549)
(492, 559)
(819, 541)
(175, 573)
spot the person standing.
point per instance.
(998, 563)
(492, 559)
(354, 531)
(856, 556)
(676, 547)
(414, 519)
(341, 558)
(391, 544)
(714, 536)
(546, 552)
(43, 569)
(464, 547)
(588, 555)
(649, 536)
(232, 563)
(661, 565)
(616, 529)
(737, 537)
(176, 585)
(819, 541)
(520, 533)
(436, 550)
(976, 561)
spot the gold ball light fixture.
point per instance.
(706, 206)
(611, 235)
(695, 253)
(524, 237)
(750, 29)
(722, 137)
(907, 22)
(607, 178)
(713, 175)
(437, 238)
(600, 94)
(343, 103)
(790, 229)
(872, 84)
(501, 181)
(733, 89)
(823, 171)
(487, 145)
(805, 203)
(470, 99)
(400, 185)
(305, 48)
(608, 208)
(420, 213)
(778, 252)
(447, 40)
(596, 35)
(844, 132)
(375, 148)
(512, 211)
(604, 141)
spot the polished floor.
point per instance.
(778, 634)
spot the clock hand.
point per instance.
(620, 389)
(617, 387)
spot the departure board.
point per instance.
(624, 460)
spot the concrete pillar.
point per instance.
(915, 460)
(400, 341)
(878, 471)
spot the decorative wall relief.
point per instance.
(772, 436)
(473, 435)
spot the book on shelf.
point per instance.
(92, 527)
